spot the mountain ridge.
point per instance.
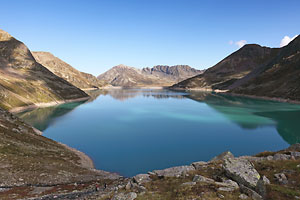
(159, 75)
(24, 82)
(62, 69)
(254, 70)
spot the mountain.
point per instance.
(64, 70)
(254, 71)
(23, 81)
(230, 69)
(280, 78)
(126, 76)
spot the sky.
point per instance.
(95, 35)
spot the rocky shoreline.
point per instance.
(48, 104)
(268, 175)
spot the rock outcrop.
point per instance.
(62, 69)
(25, 82)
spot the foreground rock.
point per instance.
(173, 171)
(242, 171)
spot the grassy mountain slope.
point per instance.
(24, 82)
(280, 78)
(230, 69)
(64, 70)
(29, 158)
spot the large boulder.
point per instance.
(241, 171)
(279, 156)
(173, 171)
(223, 156)
(199, 178)
(141, 178)
(199, 165)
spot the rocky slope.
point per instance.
(27, 158)
(232, 68)
(279, 78)
(64, 70)
(25, 82)
(125, 76)
(268, 175)
(255, 71)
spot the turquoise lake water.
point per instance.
(135, 131)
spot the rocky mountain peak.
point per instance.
(4, 36)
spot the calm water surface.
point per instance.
(135, 131)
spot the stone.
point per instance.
(199, 178)
(243, 196)
(281, 178)
(223, 156)
(241, 171)
(231, 183)
(188, 184)
(294, 147)
(251, 193)
(173, 171)
(142, 178)
(221, 196)
(227, 185)
(128, 185)
(135, 187)
(199, 165)
(269, 158)
(226, 189)
(261, 186)
(295, 154)
(279, 156)
(123, 196)
(266, 181)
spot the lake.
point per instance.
(133, 131)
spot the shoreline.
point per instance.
(238, 95)
(264, 98)
(85, 160)
(43, 105)
(136, 87)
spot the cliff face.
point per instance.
(125, 76)
(24, 82)
(64, 70)
(230, 69)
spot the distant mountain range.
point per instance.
(62, 69)
(159, 75)
(23, 81)
(255, 71)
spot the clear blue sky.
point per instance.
(93, 36)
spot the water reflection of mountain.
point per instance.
(252, 113)
(41, 118)
(125, 94)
